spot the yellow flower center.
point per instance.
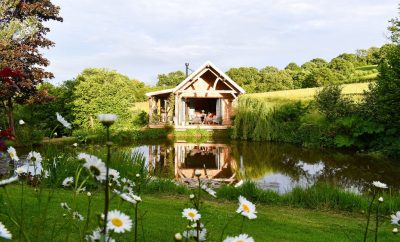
(240, 240)
(246, 208)
(117, 222)
(191, 214)
(12, 155)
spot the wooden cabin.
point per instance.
(203, 100)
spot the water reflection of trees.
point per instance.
(342, 169)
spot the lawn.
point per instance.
(162, 218)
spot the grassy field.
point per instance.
(162, 219)
(308, 93)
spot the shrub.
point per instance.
(332, 103)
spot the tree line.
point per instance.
(344, 68)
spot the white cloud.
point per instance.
(143, 38)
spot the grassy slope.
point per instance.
(163, 219)
(308, 93)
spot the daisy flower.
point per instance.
(246, 208)
(129, 197)
(193, 233)
(34, 157)
(96, 167)
(21, 170)
(4, 233)
(379, 184)
(13, 153)
(63, 121)
(65, 206)
(239, 238)
(96, 236)
(239, 184)
(113, 174)
(107, 118)
(119, 222)
(209, 190)
(191, 214)
(77, 216)
(9, 180)
(21, 122)
(395, 218)
(68, 181)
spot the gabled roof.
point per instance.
(207, 64)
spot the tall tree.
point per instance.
(171, 79)
(22, 52)
(247, 77)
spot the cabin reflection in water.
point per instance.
(213, 160)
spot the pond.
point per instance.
(278, 167)
(273, 166)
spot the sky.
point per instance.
(144, 38)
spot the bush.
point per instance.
(332, 103)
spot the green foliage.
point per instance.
(274, 79)
(103, 91)
(331, 103)
(247, 77)
(171, 79)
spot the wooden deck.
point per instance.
(186, 127)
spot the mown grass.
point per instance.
(162, 218)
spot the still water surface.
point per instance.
(278, 167)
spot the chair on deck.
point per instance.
(217, 119)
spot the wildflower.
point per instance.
(191, 214)
(77, 216)
(107, 118)
(246, 208)
(4, 233)
(21, 170)
(191, 196)
(379, 184)
(192, 232)
(395, 231)
(55, 134)
(68, 181)
(129, 197)
(79, 190)
(13, 153)
(34, 157)
(113, 174)
(21, 122)
(65, 206)
(119, 222)
(63, 121)
(96, 167)
(239, 184)
(395, 218)
(89, 194)
(75, 144)
(96, 236)
(209, 190)
(197, 173)
(137, 175)
(239, 238)
(178, 237)
(9, 180)
(380, 199)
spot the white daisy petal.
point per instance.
(4, 233)
(118, 222)
(12, 153)
(63, 121)
(246, 208)
(191, 214)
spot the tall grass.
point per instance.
(319, 196)
(258, 120)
